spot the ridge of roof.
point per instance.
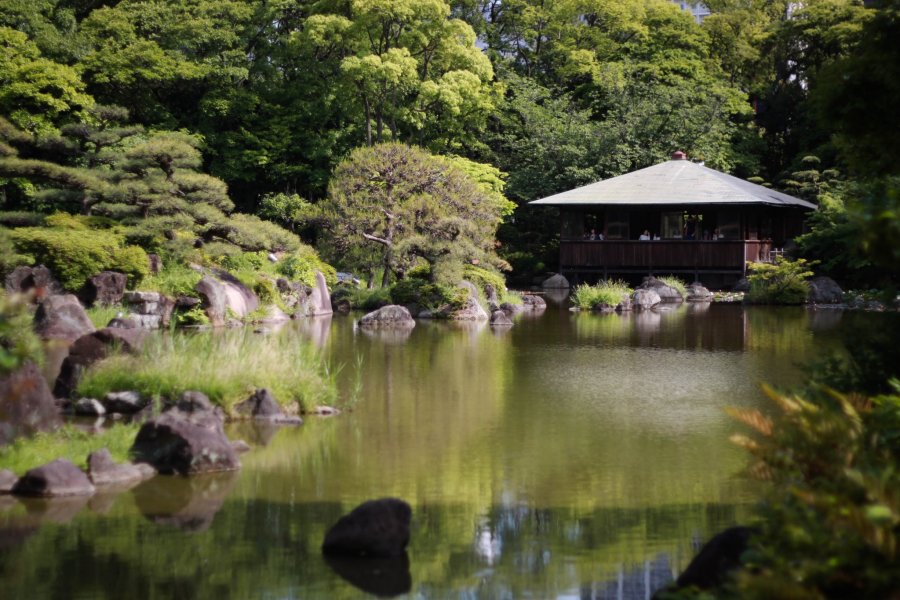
(670, 183)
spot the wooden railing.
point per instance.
(683, 255)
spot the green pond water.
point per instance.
(572, 456)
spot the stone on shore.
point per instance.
(500, 319)
(225, 295)
(666, 292)
(125, 403)
(533, 302)
(391, 316)
(103, 470)
(26, 403)
(150, 310)
(62, 317)
(104, 288)
(645, 299)
(8, 481)
(187, 444)
(377, 528)
(556, 282)
(697, 292)
(37, 279)
(91, 348)
(57, 478)
(824, 290)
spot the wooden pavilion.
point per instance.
(674, 217)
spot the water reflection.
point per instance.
(186, 503)
(383, 577)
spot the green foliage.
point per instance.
(605, 293)
(227, 368)
(194, 316)
(428, 295)
(100, 316)
(482, 277)
(9, 257)
(70, 442)
(832, 515)
(173, 281)
(676, 283)
(18, 341)
(73, 255)
(781, 282)
(362, 298)
(302, 266)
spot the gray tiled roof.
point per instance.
(670, 183)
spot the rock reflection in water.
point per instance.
(316, 329)
(53, 510)
(396, 336)
(254, 432)
(186, 503)
(555, 296)
(383, 577)
(635, 583)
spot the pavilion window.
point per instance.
(729, 222)
(617, 225)
(672, 225)
(572, 225)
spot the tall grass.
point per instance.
(609, 292)
(226, 366)
(101, 315)
(67, 442)
(676, 283)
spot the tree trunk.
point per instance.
(368, 123)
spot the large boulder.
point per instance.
(37, 279)
(556, 282)
(177, 442)
(62, 317)
(150, 310)
(697, 292)
(26, 404)
(644, 299)
(825, 290)
(388, 317)
(104, 289)
(90, 348)
(103, 470)
(225, 295)
(666, 292)
(57, 478)
(377, 528)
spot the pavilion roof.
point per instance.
(674, 182)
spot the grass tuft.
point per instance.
(100, 316)
(226, 366)
(67, 442)
(675, 283)
(610, 292)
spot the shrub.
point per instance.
(176, 280)
(254, 234)
(482, 277)
(781, 282)
(675, 283)
(302, 266)
(362, 298)
(831, 519)
(226, 367)
(428, 295)
(610, 293)
(21, 218)
(18, 342)
(9, 258)
(74, 254)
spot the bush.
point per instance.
(831, 519)
(482, 277)
(609, 293)
(173, 281)
(428, 295)
(9, 258)
(302, 266)
(781, 282)
(74, 254)
(21, 218)
(254, 234)
(18, 342)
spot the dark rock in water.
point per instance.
(696, 292)
(125, 403)
(103, 470)
(89, 407)
(104, 289)
(742, 285)
(62, 317)
(512, 309)
(263, 406)
(37, 279)
(378, 528)
(499, 319)
(57, 478)
(555, 282)
(91, 348)
(825, 290)
(382, 577)
(185, 503)
(533, 302)
(26, 404)
(717, 559)
(8, 481)
(388, 317)
(177, 442)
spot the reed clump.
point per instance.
(609, 293)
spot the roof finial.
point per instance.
(679, 155)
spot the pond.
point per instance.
(571, 456)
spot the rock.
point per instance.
(225, 295)
(8, 481)
(556, 282)
(104, 289)
(320, 299)
(274, 315)
(156, 263)
(512, 309)
(261, 405)
(499, 319)
(388, 317)
(381, 577)
(123, 323)
(377, 528)
(644, 299)
(325, 411)
(625, 304)
(91, 348)
(472, 310)
(491, 294)
(240, 446)
(151, 310)
(57, 478)
(696, 292)
(39, 279)
(824, 290)
(26, 404)
(89, 407)
(533, 302)
(742, 285)
(125, 403)
(104, 471)
(718, 557)
(666, 293)
(186, 302)
(192, 402)
(177, 442)
(62, 317)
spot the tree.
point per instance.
(402, 204)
